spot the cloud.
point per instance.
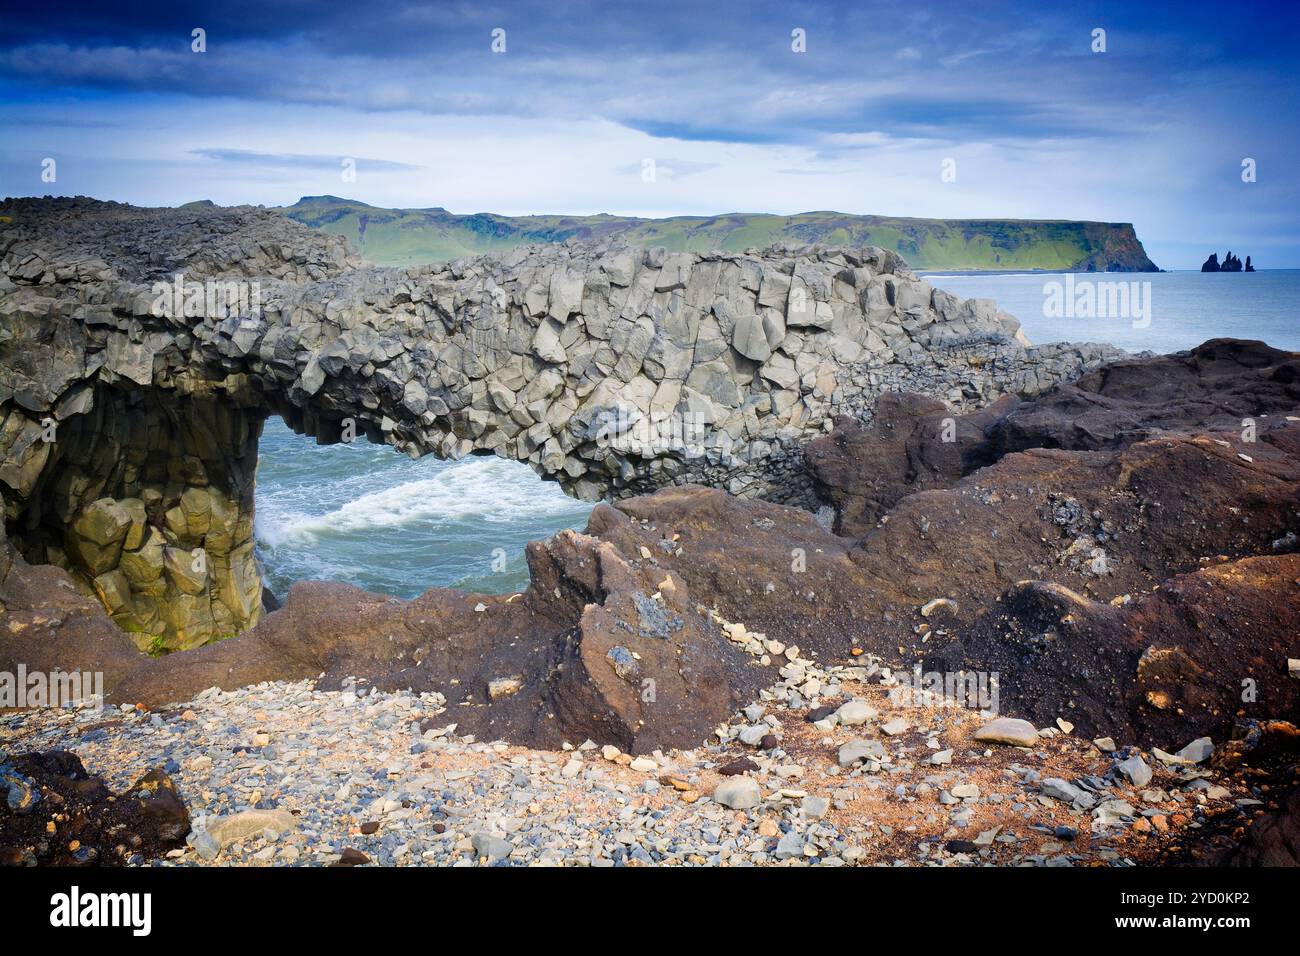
(671, 168)
(1149, 132)
(251, 157)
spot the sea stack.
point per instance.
(1230, 263)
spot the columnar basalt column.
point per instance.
(148, 500)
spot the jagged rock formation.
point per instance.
(1230, 263)
(141, 350)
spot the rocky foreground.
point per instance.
(287, 775)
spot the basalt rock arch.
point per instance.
(141, 350)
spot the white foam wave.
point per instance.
(487, 489)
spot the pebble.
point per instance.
(790, 846)
(814, 808)
(1136, 769)
(490, 846)
(1008, 730)
(855, 713)
(738, 793)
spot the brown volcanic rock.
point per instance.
(56, 813)
(912, 444)
(606, 659)
(915, 443)
(1213, 386)
(1160, 671)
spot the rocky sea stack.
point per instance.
(1230, 263)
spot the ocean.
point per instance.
(369, 516)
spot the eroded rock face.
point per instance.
(149, 502)
(915, 442)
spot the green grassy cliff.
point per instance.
(411, 236)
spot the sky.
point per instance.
(949, 110)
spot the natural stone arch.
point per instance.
(611, 369)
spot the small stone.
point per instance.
(1136, 769)
(500, 687)
(789, 846)
(753, 735)
(351, 857)
(1008, 730)
(238, 827)
(204, 844)
(644, 765)
(895, 727)
(856, 751)
(1198, 750)
(854, 713)
(1105, 744)
(814, 808)
(486, 845)
(739, 766)
(943, 606)
(738, 793)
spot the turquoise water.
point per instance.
(369, 516)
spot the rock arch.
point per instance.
(151, 344)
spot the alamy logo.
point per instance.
(57, 688)
(75, 909)
(1093, 299)
(209, 299)
(973, 690)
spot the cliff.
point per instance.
(411, 236)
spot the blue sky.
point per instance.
(1036, 125)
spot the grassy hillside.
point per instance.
(411, 236)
